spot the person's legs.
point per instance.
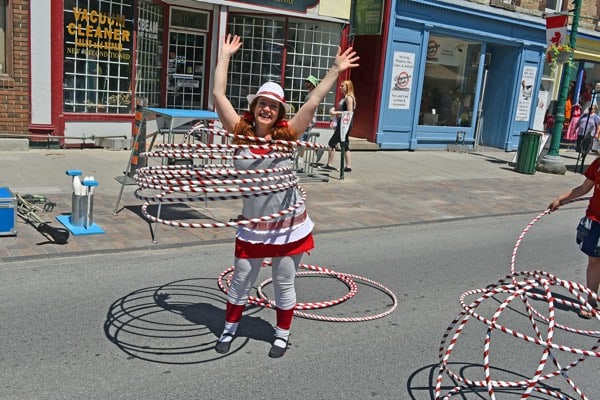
(333, 142)
(593, 278)
(301, 150)
(347, 159)
(244, 275)
(284, 274)
(589, 246)
(330, 157)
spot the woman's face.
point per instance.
(266, 111)
(344, 88)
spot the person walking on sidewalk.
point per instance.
(588, 231)
(284, 239)
(348, 103)
(588, 128)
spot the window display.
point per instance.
(98, 55)
(450, 82)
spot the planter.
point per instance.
(563, 56)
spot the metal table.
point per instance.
(175, 117)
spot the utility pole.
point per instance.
(551, 162)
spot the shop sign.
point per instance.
(188, 83)
(189, 19)
(99, 33)
(292, 5)
(368, 17)
(147, 29)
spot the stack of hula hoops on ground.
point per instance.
(526, 293)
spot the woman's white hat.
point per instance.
(272, 91)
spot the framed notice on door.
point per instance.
(401, 82)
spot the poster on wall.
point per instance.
(526, 93)
(402, 75)
(540, 110)
(368, 17)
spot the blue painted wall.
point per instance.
(511, 43)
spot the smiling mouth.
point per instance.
(265, 115)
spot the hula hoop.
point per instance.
(349, 279)
(169, 182)
(519, 286)
(568, 285)
(263, 301)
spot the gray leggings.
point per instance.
(283, 273)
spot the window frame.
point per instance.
(98, 79)
(557, 8)
(7, 68)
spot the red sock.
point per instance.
(233, 312)
(284, 318)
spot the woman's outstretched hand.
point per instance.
(231, 44)
(346, 59)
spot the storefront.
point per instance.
(459, 72)
(105, 54)
(584, 89)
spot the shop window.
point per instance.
(98, 56)
(5, 37)
(149, 52)
(587, 93)
(450, 82)
(547, 85)
(282, 50)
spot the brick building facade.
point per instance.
(15, 77)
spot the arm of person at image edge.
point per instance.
(229, 117)
(592, 174)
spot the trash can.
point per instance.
(527, 153)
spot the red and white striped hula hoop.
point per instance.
(230, 224)
(165, 183)
(579, 288)
(521, 285)
(348, 279)
(263, 301)
(221, 132)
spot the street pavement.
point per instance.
(385, 188)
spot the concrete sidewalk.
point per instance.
(385, 188)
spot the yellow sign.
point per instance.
(98, 30)
(335, 8)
